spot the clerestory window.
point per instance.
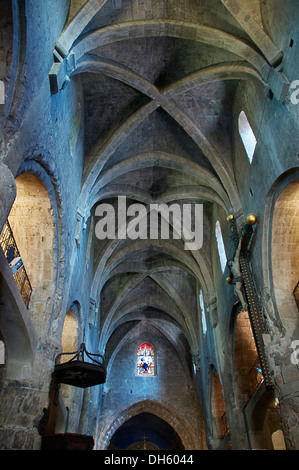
(247, 135)
(203, 313)
(220, 245)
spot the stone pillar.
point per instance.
(288, 395)
(237, 425)
(7, 193)
(20, 413)
(283, 353)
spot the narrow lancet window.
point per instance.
(247, 135)
(145, 360)
(203, 313)
(220, 245)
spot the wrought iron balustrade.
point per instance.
(11, 252)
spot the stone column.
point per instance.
(7, 193)
(288, 395)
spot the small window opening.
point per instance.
(220, 245)
(203, 313)
(247, 135)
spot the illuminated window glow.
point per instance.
(145, 360)
(247, 135)
(220, 245)
(203, 313)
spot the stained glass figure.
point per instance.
(145, 360)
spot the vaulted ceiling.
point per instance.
(159, 80)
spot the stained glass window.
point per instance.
(145, 360)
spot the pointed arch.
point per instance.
(170, 415)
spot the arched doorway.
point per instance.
(145, 431)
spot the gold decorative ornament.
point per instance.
(251, 219)
(229, 280)
(230, 218)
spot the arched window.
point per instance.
(203, 313)
(145, 360)
(247, 135)
(220, 245)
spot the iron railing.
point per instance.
(11, 252)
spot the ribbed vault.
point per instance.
(159, 81)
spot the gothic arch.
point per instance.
(171, 28)
(277, 218)
(182, 428)
(33, 228)
(47, 178)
